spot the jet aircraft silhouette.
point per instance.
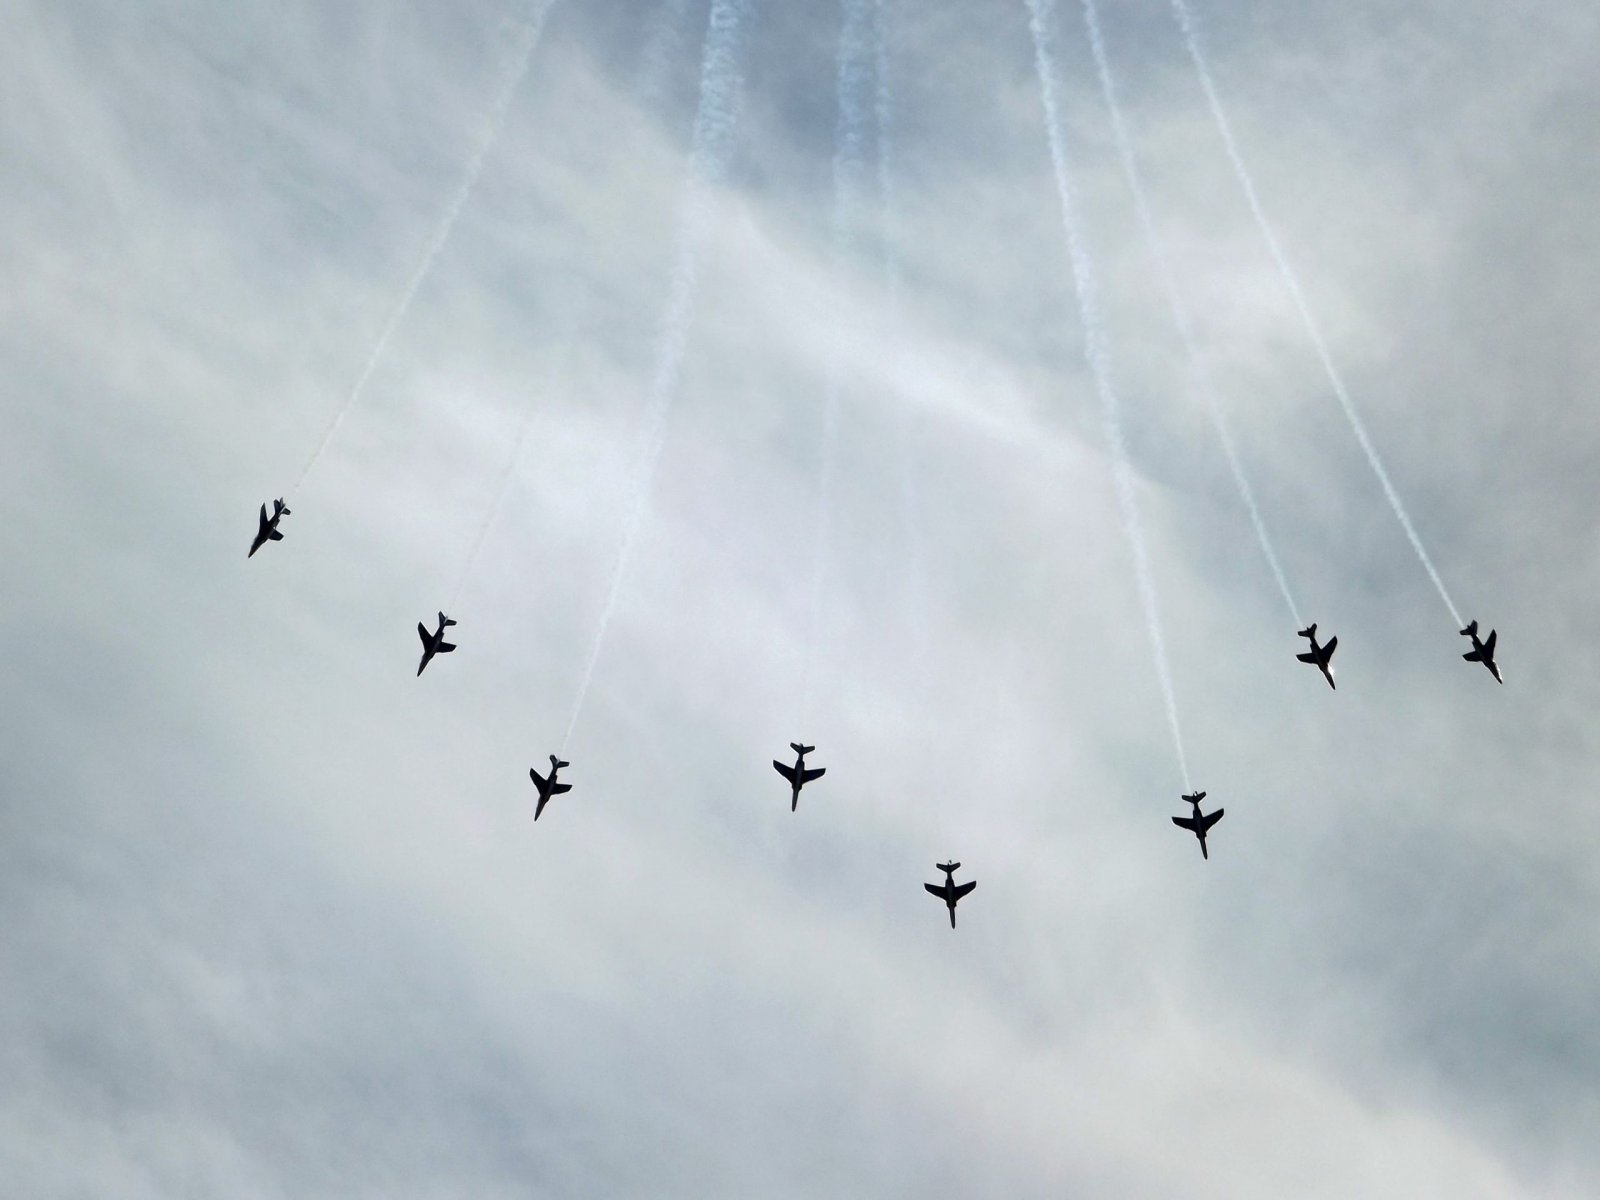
(1482, 651)
(797, 775)
(268, 529)
(1199, 823)
(1321, 655)
(434, 643)
(950, 891)
(548, 787)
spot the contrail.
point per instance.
(849, 141)
(1191, 40)
(522, 52)
(1180, 311)
(502, 488)
(710, 149)
(1098, 352)
(662, 40)
(883, 114)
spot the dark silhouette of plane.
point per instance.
(797, 775)
(1198, 823)
(268, 529)
(950, 891)
(434, 643)
(548, 787)
(1482, 651)
(1321, 655)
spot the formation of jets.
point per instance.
(798, 774)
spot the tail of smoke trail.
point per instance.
(710, 150)
(1180, 311)
(502, 487)
(489, 132)
(849, 155)
(1291, 283)
(663, 40)
(1098, 352)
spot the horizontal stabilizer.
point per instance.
(963, 888)
(1208, 822)
(557, 788)
(799, 749)
(1310, 658)
(784, 769)
(446, 647)
(1185, 822)
(813, 773)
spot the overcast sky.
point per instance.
(275, 919)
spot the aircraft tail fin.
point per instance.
(1472, 628)
(1310, 631)
(799, 749)
(949, 866)
(558, 763)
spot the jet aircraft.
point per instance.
(950, 891)
(268, 530)
(1321, 655)
(548, 787)
(434, 643)
(1482, 651)
(797, 775)
(1198, 823)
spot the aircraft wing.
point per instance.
(1208, 822)
(1307, 657)
(784, 769)
(536, 777)
(936, 889)
(263, 514)
(1184, 822)
(1328, 649)
(1488, 645)
(557, 788)
(422, 632)
(963, 888)
(814, 773)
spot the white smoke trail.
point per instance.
(1180, 311)
(1097, 350)
(850, 135)
(710, 149)
(1291, 282)
(663, 39)
(522, 52)
(508, 472)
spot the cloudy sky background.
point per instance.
(275, 918)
